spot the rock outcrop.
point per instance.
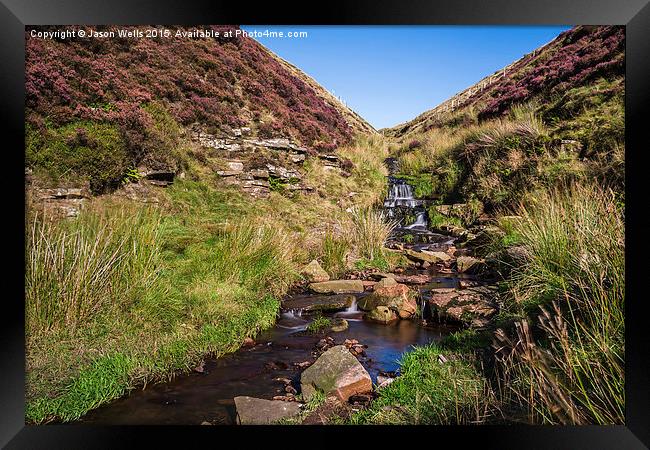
(470, 265)
(474, 306)
(319, 302)
(336, 373)
(257, 166)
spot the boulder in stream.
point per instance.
(314, 273)
(257, 411)
(338, 287)
(396, 297)
(381, 314)
(473, 306)
(340, 325)
(336, 373)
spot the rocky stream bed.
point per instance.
(373, 318)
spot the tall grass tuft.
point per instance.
(369, 231)
(333, 252)
(573, 280)
(97, 262)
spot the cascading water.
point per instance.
(409, 212)
(420, 221)
(292, 319)
(352, 312)
(401, 203)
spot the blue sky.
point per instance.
(390, 74)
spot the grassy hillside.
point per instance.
(575, 58)
(126, 294)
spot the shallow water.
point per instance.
(198, 397)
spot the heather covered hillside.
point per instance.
(97, 108)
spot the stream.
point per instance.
(258, 370)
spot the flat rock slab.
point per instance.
(336, 372)
(420, 278)
(338, 287)
(380, 275)
(427, 256)
(257, 411)
(319, 302)
(471, 265)
(385, 282)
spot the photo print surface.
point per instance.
(325, 225)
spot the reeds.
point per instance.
(94, 263)
(369, 231)
(574, 278)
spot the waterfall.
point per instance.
(292, 320)
(292, 314)
(401, 202)
(420, 220)
(401, 194)
(353, 307)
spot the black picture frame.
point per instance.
(634, 14)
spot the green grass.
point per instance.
(191, 277)
(316, 400)
(369, 231)
(422, 183)
(175, 285)
(319, 323)
(380, 263)
(333, 252)
(465, 341)
(102, 261)
(428, 392)
(438, 220)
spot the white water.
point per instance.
(292, 320)
(351, 313)
(400, 194)
(420, 221)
